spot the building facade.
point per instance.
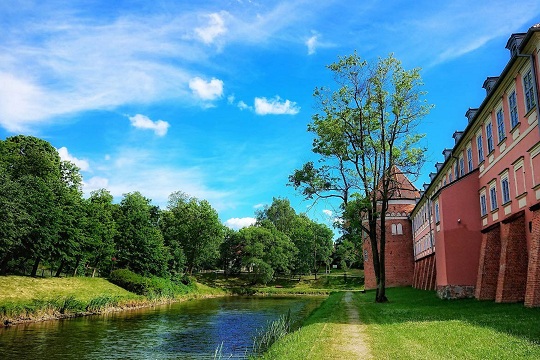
(475, 229)
(478, 220)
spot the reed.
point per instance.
(272, 333)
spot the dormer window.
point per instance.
(489, 83)
(514, 42)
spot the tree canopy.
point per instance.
(365, 129)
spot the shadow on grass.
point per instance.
(413, 305)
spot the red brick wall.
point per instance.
(399, 264)
(425, 275)
(488, 268)
(532, 293)
(514, 261)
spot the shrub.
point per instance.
(151, 287)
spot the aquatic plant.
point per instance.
(272, 333)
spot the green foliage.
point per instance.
(151, 287)
(193, 233)
(139, 242)
(365, 129)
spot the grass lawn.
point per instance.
(316, 339)
(303, 284)
(415, 324)
(24, 289)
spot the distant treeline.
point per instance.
(46, 223)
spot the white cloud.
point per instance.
(95, 183)
(312, 43)
(275, 106)
(206, 90)
(243, 106)
(258, 206)
(238, 223)
(159, 127)
(216, 27)
(66, 156)
(328, 212)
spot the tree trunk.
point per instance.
(35, 267)
(3, 266)
(94, 272)
(60, 268)
(76, 266)
(381, 286)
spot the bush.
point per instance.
(151, 287)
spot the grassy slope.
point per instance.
(305, 284)
(25, 298)
(23, 289)
(417, 325)
(314, 340)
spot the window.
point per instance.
(505, 190)
(437, 218)
(500, 125)
(489, 137)
(513, 109)
(493, 197)
(529, 90)
(450, 178)
(469, 159)
(461, 166)
(480, 148)
(456, 171)
(483, 205)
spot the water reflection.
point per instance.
(189, 330)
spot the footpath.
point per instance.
(343, 340)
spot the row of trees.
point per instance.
(45, 222)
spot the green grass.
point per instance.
(416, 324)
(315, 339)
(23, 289)
(24, 298)
(301, 285)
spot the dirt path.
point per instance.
(350, 338)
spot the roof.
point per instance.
(405, 188)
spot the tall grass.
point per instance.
(272, 333)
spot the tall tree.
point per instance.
(35, 166)
(192, 226)
(100, 229)
(365, 130)
(139, 242)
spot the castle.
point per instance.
(474, 230)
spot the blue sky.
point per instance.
(213, 97)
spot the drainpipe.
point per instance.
(429, 221)
(535, 76)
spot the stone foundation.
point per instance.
(450, 292)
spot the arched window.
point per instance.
(399, 229)
(394, 229)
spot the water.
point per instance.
(187, 330)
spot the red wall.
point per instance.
(458, 239)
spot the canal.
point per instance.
(186, 330)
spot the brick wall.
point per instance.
(399, 264)
(512, 279)
(532, 293)
(425, 275)
(488, 269)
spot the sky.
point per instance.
(213, 98)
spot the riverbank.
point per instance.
(26, 299)
(414, 324)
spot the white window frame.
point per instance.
(483, 203)
(494, 205)
(500, 125)
(505, 188)
(489, 137)
(512, 104)
(470, 163)
(480, 145)
(528, 90)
